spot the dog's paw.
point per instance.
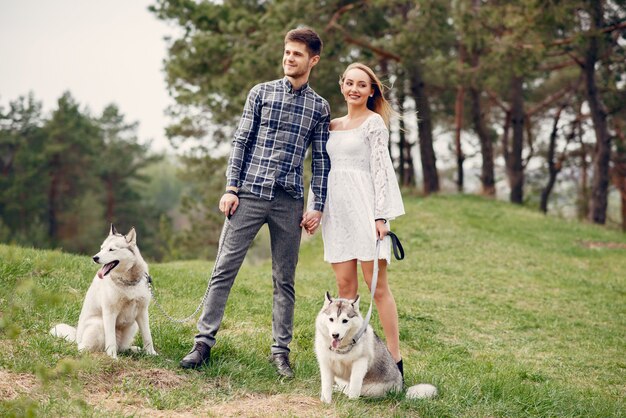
(326, 398)
(353, 395)
(353, 392)
(149, 349)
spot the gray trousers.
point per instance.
(283, 215)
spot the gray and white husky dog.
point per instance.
(364, 368)
(116, 304)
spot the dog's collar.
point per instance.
(344, 350)
(126, 282)
(132, 282)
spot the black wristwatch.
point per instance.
(229, 191)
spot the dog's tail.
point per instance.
(421, 391)
(64, 331)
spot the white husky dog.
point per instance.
(116, 304)
(364, 368)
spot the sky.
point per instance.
(103, 52)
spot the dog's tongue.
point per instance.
(335, 343)
(101, 272)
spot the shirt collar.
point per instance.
(290, 89)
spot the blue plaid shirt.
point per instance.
(277, 126)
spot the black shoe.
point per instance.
(197, 357)
(281, 362)
(401, 368)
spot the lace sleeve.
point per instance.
(378, 139)
(388, 204)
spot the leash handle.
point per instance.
(398, 251)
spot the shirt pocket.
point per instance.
(307, 123)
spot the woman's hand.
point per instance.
(311, 220)
(381, 229)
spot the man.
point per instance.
(281, 119)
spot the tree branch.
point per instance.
(332, 24)
(494, 97)
(552, 98)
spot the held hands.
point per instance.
(381, 229)
(311, 221)
(228, 204)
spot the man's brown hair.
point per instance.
(308, 37)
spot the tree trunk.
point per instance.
(487, 176)
(458, 116)
(545, 193)
(515, 167)
(623, 195)
(583, 204)
(384, 69)
(406, 169)
(409, 172)
(553, 168)
(619, 181)
(427, 152)
(601, 161)
(401, 139)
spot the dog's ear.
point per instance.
(131, 237)
(112, 231)
(328, 300)
(355, 302)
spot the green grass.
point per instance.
(506, 311)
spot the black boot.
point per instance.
(281, 363)
(401, 368)
(197, 357)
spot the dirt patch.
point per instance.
(106, 392)
(131, 405)
(14, 385)
(257, 405)
(159, 378)
(100, 386)
(251, 405)
(600, 244)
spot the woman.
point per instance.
(363, 195)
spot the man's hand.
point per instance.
(311, 221)
(228, 204)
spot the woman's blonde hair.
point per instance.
(377, 102)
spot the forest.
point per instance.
(523, 101)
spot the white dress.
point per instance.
(362, 187)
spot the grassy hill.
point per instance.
(509, 313)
